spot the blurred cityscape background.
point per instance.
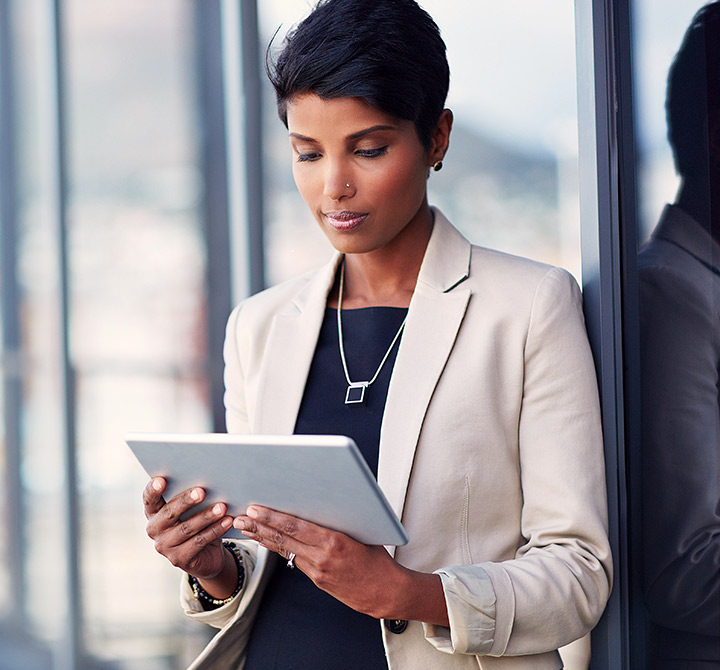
(128, 343)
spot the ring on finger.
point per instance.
(291, 560)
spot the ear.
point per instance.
(440, 140)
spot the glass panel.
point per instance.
(510, 178)
(7, 509)
(42, 425)
(678, 490)
(4, 508)
(138, 297)
(7, 307)
(138, 311)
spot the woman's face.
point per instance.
(362, 172)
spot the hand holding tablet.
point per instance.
(323, 479)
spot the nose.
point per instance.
(337, 184)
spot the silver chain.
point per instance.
(340, 335)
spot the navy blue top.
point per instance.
(299, 626)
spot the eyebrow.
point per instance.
(353, 136)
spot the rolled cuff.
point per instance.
(470, 600)
(222, 615)
(194, 609)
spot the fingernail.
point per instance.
(195, 494)
(252, 512)
(226, 522)
(217, 509)
(239, 524)
(157, 486)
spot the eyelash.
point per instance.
(307, 158)
(364, 153)
(372, 153)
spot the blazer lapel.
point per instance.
(434, 317)
(290, 349)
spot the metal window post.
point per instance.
(215, 204)
(243, 112)
(228, 83)
(11, 368)
(70, 654)
(607, 219)
(254, 163)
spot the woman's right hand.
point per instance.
(193, 545)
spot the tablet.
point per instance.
(319, 478)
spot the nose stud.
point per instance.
(347, 185)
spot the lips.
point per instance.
(344, 221)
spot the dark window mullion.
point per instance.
(603, 48)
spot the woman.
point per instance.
(479, 407)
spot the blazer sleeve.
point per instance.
(555, 588)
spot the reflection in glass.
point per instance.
(679, 292)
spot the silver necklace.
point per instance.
(355, 393)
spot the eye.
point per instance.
(372, 153)
(307, 157)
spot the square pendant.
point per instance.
(356, 393)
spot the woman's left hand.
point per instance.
(364, 577)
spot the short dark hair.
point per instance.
(693, 92)
(386, 52)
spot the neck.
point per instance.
(386, 276)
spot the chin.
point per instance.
(346, 245)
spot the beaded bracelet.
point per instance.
(201, 594)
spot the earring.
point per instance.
(438, 166)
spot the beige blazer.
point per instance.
(490, 453)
